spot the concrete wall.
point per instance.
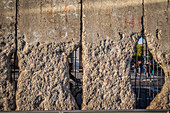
(157, 27)
(111, 31)
(7, 46)
(48, 31)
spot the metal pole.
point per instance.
(75, 63)
(153, 78)
(145, 60)
(136, 76)
(139, 91)
(161, 78)
(157, 78)
(149, 73)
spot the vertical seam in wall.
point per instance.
(142, 19)
(167, 10)
(81, 20)
(16, 22)
(81, 35)
(15, 54)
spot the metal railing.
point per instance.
(147, 77)
(92, 111)
(76, 72)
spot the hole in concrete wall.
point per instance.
(147, 77)
(13, 74)
(14, 69)
(76, 72)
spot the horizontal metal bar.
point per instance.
(95, 111)
(119, 111)
(30, 111)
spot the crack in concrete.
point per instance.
(16, 46)
(142, 19)
(167, 10)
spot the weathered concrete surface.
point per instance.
(7, 46)
(47, 21)
(156, 18)
(157, 30)
(161, 51)
(7, 92)
(49, 32)
(7, 17)
(105, 77)
(110, 34)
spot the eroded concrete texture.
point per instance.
(7, 47)
(111, 31)
(157, 30)
(107, 55)
(49, 31)
(44, 81)
(106, 74)
(160, 50)
(7, 91)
